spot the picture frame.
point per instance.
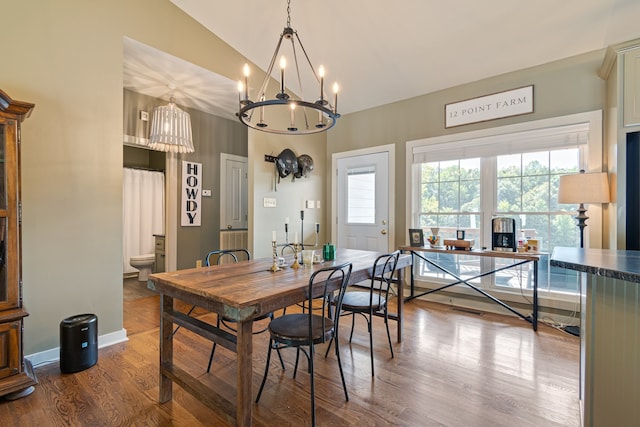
(460, 234)
(416, 237)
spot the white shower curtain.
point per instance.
(142, 213)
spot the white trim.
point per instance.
(391, 150)
(224, 157)
(171, 212)
(53, 355)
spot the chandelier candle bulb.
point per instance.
(321, 72)
(295, 238)
(335, 97)
(262, 111)
(246, 82)
(273, 236)
(283, 65)
(293, 117)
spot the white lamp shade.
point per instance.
(171, 130)
(584, 188)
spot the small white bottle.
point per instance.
(522, 242)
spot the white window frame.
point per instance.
(474, 143)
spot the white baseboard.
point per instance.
(53, 355)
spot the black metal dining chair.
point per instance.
(372, 301)
(303, 331)
(232, 255)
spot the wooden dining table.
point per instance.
(242, 292)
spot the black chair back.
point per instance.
(323, 285)
(230, 255)
(384, 269)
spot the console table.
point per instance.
(517, 258)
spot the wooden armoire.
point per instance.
(16, 373)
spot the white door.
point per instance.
(233, 192)
(362, 198)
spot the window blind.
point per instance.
(544, 139)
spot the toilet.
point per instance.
(144, 263)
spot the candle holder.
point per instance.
(274, 266)
(295, 264)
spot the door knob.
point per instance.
(384, 231)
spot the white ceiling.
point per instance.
(381, 52)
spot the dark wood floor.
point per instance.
(453, 368)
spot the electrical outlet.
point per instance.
(318, 204)
(144, 116)
(206, 193)
(198, 263)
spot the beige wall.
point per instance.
(560, 88)
(66, 57)
(290, 195)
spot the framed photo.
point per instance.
(460, 234)
(416, 237)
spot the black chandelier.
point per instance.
(301, 117)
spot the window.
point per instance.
(450, 196)
(462, 183)
(361, 196)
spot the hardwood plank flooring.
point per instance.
(453, 368)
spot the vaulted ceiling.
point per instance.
(382, 52)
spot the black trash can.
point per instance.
(78, 343)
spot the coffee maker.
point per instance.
(503, 234)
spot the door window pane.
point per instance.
(361, 196)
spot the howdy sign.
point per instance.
(191, 194)
(504, 104)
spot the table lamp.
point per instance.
(583, 188)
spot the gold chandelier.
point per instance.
(301, 117)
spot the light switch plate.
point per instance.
(144, 116)
(269, 202)
(206, 193)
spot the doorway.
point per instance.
(363, 195)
